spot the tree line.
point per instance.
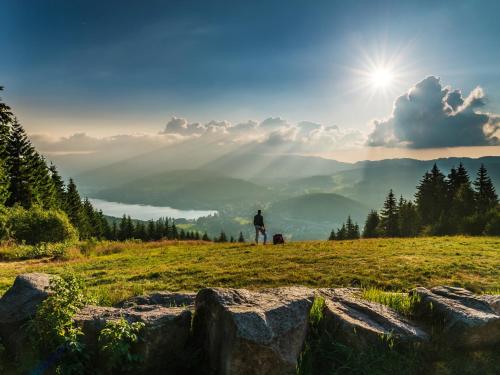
(443, 205)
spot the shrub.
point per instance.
(36, 225)
(53, 329)
(116, 342)
(4, 233)
(493, 225)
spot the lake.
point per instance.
(145, 212)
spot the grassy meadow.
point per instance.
(117, 270)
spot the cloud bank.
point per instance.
(432, 116)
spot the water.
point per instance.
(145, 212)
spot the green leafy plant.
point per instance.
(116, 342)
(53, 328)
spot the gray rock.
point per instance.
(21, 301)
(18, 305)
(362, 324)
(167, 299)
(247, 332)
(163, 338)
(462, 318)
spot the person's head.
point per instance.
(259, 212)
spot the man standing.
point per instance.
(258, 222)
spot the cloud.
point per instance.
(431, 116)
(181, 126)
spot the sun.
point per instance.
(381, 78)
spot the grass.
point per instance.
(401, 302)
(114, 271)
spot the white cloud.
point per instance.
(432, 116)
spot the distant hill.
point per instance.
(369, 181)
(188, 189)
(313, 215)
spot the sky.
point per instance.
(396, 78)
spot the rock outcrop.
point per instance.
(245, 332)
(361, 324)
(461, 318)
(163, 338)
(18, 305)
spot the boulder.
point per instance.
(168, 299)
(462, 318)
(18, 305)
(163, 338)
(21, 301)
(248, 332)
(362, 324)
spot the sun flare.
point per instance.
(381, 78)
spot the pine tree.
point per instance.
(371, 225)
(4, 185)
(73, 206)
(389, 216)
(352, 229)
(6, 119)
(130, 228)
(122, 228)
(241, 239)
(18, 156)
(332, 236)
(407, 219)
(175, 234)
(486, 197)
(341, 233)
(114, 232)
(42, 186)
(232, 239)
(182, 235)
(150, 230)
(197, 236)
(431, 196)
(222, 237)
(205, 237)
(59, 187)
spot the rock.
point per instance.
(21, 301)
(17, 306)
(462, 318)
(163, 338)
(168, 299)
(362, 324)
(247, 332)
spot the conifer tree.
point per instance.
(341, 233)
(18, 152)
(222, 237)
(59, 187)
(4, 185)
(241, 239)
(407, 219)
(332, 236)
(114, 232)
(486, 196)
(231, 239)
(371, 225)
(150, 230)
(122, 229)
(73, 206)
(431, 196)
(197, 236)
(175, 234)
(182, 235)
(6, 118)
(389, 216)
(205, 237)
(130, 228)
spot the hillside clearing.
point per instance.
(114, 271)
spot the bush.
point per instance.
(493, 225)
(36, 225)
(4, 233)
(116, 342)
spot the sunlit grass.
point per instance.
(114, 271)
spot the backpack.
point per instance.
(278, 239)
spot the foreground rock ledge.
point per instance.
(362, 324)
(461, 318)
(245, 332)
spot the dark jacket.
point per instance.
(258, 220)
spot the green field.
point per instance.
(114, 271)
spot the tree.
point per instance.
(241, 239)
(486, 197)
(205, 237)
(352, 229)
(175, 234)
(408, 223)
(341, 233)
(371, 225)
(389, 217)
(332, 236)
(73, 206)
(4, 184)
(150, 230)
(59, 187)
(6, 118)
(222, 237)
(18, 152)
(431, 196)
